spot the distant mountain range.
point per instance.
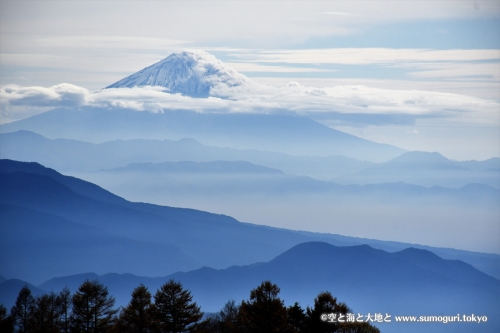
(419, 168)
(292, 135)
(232, 177)
(189, 167)
(428, 169)
(368, 280)
(73, 155)
(49, 220)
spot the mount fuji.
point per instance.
(190, 73)
(198, 75)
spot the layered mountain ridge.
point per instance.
(58, 210)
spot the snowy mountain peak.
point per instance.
(191, 73)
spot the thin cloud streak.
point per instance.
(367, 56)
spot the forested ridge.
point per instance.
(171, 310)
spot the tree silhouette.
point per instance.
(65, 306)
(92, 308)
(138, 315)
(225, 321)
(6, 321)
(325, 303)
(228, 317)
(175, 311)
(21, 311)
(264, 312)
(296, 318)
(45, 314)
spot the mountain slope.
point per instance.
(191, 73)
(294, 135)
(9, 289)
(36, 245)
(74, 184)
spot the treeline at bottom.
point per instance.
(172, 310)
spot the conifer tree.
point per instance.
(22, 310)
(175, 309)
(138, 315)
(92, 308)
(45, 314)
(325, 303)
(296, 318)
(6, 321)
(228, 317)
(264, 312)
(225, 321)
(65, 306)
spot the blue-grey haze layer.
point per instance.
(292, 135)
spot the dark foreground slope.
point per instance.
(47, 216)
(409, 282)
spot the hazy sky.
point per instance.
(443, 56)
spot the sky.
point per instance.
(421, 75)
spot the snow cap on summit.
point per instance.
(190, 73)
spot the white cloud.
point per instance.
(18, 102)
(353, 99)
(485, 89)
(153, 99)
(63, 94)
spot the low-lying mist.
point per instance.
(465, 218)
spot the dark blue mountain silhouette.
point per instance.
(9, 289)
(36, 245)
